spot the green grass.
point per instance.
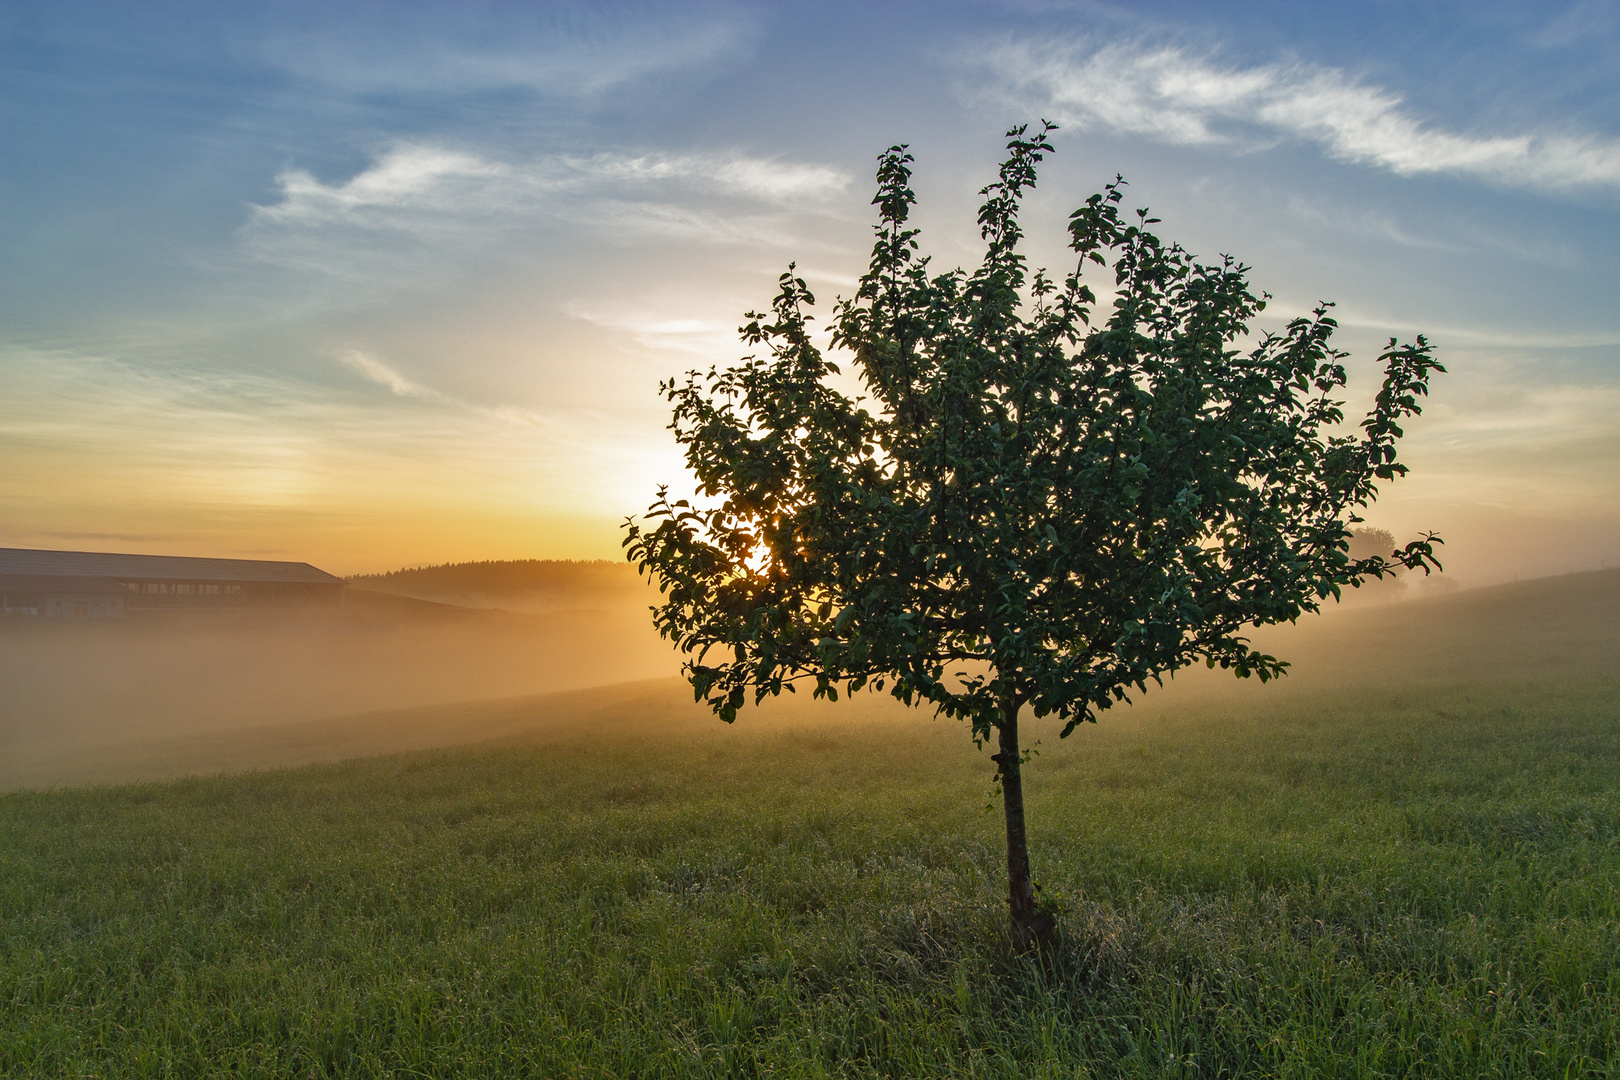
(1352, 877)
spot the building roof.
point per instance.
(84, 564)
(37, 583)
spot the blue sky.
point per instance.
(378, 284)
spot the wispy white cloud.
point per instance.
(420, 214)
(1549, 446)
(715, 339)
(384, 374)
(1465, 237)
(226, 436)
(762, 179)
(1471, 335)
(1582, 23)
(410, 187)
(1363, 224)
(109, 431)
(1173, 96)
(552, 52)
(644, 219)
(416, 213)
(404, 178)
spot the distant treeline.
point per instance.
(508, 574)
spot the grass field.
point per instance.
(1403, 862)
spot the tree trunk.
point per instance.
(1032, 927)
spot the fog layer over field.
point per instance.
(190, 692)
(91, 700)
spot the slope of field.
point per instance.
(1402, 861)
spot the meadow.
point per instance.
(1402, 861)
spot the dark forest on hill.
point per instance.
(508, 573)
(516, 584)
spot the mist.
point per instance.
(166, 694)
(81, 695)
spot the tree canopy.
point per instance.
(1043, 501)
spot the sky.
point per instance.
(375, 285)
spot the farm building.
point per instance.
(94, 584)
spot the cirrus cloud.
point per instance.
(1172, 96)
(421, 212)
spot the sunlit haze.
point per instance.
(379, 285)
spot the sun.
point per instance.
(758, 559)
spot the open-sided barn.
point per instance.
(95, 584)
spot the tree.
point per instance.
(1027, 512)
(1370, 541)
(1365, 542)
